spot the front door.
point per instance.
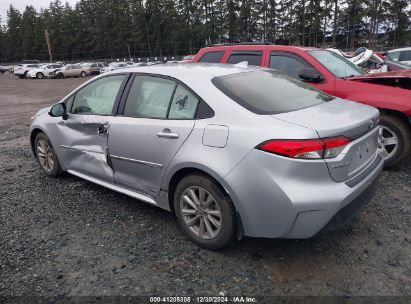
(86, 130)
(158, 116)
(292, 64)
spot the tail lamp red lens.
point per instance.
(306, 149)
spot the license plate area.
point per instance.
(362, 153)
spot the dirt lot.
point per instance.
(66, 236)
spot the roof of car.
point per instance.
(260, 46)
(187, 71)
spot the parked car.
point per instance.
(93, 67)
(389, 92)
(4, 69)
(230, 150)
(114, 66)
(395, 65)
(70, 70)
(43, 71)
(21, 70)
(402, 55)
(187, 58)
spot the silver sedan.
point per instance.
(231, 150)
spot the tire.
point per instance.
(60, 76)
(395, 127)
(21, 76)
(44, 152)
(220, 203)
(39, 75)
(83, 74)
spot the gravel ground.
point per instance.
(66, 236)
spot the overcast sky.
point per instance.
(21, 5)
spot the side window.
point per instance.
(149, 97)
(253, 58)
(394, 56)
(183, 105)
(287, 65)
(98, 97)
(212, 57)
(405, 56)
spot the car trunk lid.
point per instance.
(342, 118)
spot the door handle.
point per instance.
(103, 128)
(166, 133)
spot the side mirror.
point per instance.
(311, 75)
(59, 110)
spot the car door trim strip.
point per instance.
(141, 162)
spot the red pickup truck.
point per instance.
(389, 92)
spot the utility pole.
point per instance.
(129, 54)
(46, 33)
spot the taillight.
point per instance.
(306, 149)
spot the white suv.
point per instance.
(21, 70)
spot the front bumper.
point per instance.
(278, 197)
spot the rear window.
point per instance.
(268, 92)
(212, 57)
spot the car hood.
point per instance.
(41, 111)
(392, 74)
(400, 79)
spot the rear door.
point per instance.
(84, 134)
(155, 119)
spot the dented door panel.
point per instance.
(84, 149)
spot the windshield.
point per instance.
(269, 92)
(338, 65)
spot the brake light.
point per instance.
(306, 149)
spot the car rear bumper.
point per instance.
(278, 197)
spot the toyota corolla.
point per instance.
(230, 150)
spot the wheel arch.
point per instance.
(178, 174)
(33, 135)
(397, 114)
(171, 182)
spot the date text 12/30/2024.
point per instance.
(206, 299)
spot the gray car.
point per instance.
(230, 150)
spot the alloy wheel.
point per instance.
(388, 142)
(45, 155)
(200, 212)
